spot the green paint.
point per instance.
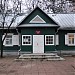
(43, 31)
(49, 48)
(32, 31)
(62, 45)
(39, 12)
(26, 48)
(10, 48)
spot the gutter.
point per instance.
(55, 41)
(20, 43)
(55, 38)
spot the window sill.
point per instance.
(49, 44)
(26, 44)
(8, 45)
(71, 44)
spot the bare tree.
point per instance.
(4, 13)
(16, 7)
(60, 6)
(53, 6)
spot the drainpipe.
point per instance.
(20, 43)
(55, 38)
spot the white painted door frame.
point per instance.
(38, 43)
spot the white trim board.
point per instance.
(30, 39)
(37, 19)
(53, 39)
(67, 39)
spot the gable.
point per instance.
(38, 16)
(37, 19)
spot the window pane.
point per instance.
(71, 39)
(46, 39)
(26, 40)
(49, 40)
(23, 42)
(46, 42)
(8, 40)
(8, 36)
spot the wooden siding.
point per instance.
(39, 12)
(10, 48)
(62, 45)
(32, 31)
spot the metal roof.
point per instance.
(32, 12)
(65, 21)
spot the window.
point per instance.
(8, 40)
(71, 39)
(26, 39)
(49, 39)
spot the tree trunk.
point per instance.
(1, 48)
(2, 41)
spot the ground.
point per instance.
(8, 66)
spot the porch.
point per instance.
(45, 56)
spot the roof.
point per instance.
(37, 11)
(68, 28)
(65, 21)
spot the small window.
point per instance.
(26, 39)
(49, 39)
(71, 39)
(8, 40)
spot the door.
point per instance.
(38, 43)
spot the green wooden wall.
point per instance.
(62, 45)
(39, 12)
(32, 31)
(10, 48)
(44, 31)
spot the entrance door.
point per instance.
(38, 43)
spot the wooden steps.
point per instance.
(45, 56)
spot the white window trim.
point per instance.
(5, 39)
(30, 42)
(16, 40)
(68, 39)
(45, 39)
(36, 21)
(57, 39)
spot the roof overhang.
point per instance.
(67, 28)
(7, 28)
(38, 25)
